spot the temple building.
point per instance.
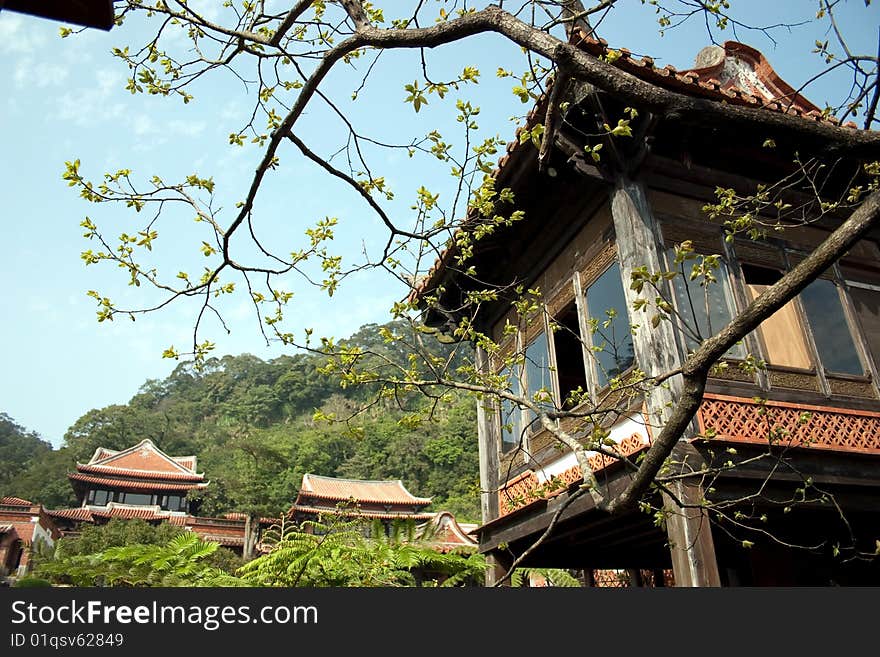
(382, 501)
(144, 482)
(141, 476)
(385, 503)
(788, 455)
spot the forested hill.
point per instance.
(251, 424)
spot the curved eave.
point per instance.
(140, 474)
(357, 513)
(134, 484)
(415, 501)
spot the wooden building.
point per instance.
(588, 226)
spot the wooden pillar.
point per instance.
(659, 578)
(635, 577)
(488, 439)
(498, 564)
(657, 351)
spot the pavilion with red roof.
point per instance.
(145, 483)
(141, 476)
(382, 500)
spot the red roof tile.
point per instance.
(143, 457)
(79, 513)
(222, 539)
(359, 513)
(127, 513)
(144, 474)
(133, 484)
(735, 71)
(366, 491)
(445, 534)
(11, 500)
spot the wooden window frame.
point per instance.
(591, 362)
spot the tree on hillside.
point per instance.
(18, 447)
(292, 59)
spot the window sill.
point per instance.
(855, 378)
(788, 369)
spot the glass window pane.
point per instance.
(569, 353)
(140, 499)
(705, 309)
(511, 424)
(834, 342)
(537, 377)
(537, 369)
(867, 307)
(783, 336)
(612, 336)
(101, 497)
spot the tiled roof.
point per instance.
(735, 74)
(360, 513)
(143, 457)
(7, 529)
(222, 539)
(79, 513)
(188, 462)
(11, 500)
(445, 534)
(366, 491)
(132, 484)
(127, 513)
(144, 474)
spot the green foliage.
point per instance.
(251, 424)
(552, 576)
(181, 561)
(116, 533)
(337, 554)
(31, 582)
(19, 448)
(44, 479)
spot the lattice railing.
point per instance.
(618, 579)
(792, 425)
(527, 487)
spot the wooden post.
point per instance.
(487, 430)
(635, 577)
(657, 351)
(251, 535)
(498, 564)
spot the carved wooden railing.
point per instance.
(790, 425)
(528, 487)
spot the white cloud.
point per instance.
(29, 73)
(89, 105)
(17, 37)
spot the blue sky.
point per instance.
(65, 99)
